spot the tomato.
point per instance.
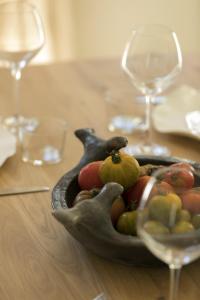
(88, 177)
(183, 165)
(134, 193)
(126, 223)
(165, 208)
(155, 227)
(85, 195)
(179, 178)
(191, 200)
(161, 188)
(118, 207)
(196, 221)
(183, 227)
(121, 168)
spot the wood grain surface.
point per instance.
(38, 258)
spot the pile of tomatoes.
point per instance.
(125, 170)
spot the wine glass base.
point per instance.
(145, 149)
(125, 124)
(14, 123)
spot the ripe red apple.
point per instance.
(191, 200)
(88, 177)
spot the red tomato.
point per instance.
(88, 177)
(118, 207)
(179, 178)
(183, 165)
(134, 193)
(162, 188)
(191, 201)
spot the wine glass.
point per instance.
(169, 218)
(21, 38)
(152, 60)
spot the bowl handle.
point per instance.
(96, 148)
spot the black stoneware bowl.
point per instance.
(95, 230)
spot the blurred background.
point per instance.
(82, 29)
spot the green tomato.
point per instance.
(184, 215)
(183, 227)
(165, 208)
(196, 221)
(155, 227)
(127, 223)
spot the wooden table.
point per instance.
(38, 258)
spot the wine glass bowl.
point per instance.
(21, 38)
(152, 60)
(169, 218)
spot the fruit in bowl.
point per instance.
(121, 168)
(124, 169)
(89, 176)
(89, 221)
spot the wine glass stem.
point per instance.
(16, 74)
(174, 281)
(148, 127)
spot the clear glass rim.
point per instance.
(177, 68)
(24, 7)
(60, 124)
(22, 3)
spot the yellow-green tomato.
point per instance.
(155, 227)
(127, 223)
(165, 208)
(184, 215)
(121, 168)
(183, 227)
(196, 221)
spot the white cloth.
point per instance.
(7, 144)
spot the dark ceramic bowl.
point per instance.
(95, 230)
